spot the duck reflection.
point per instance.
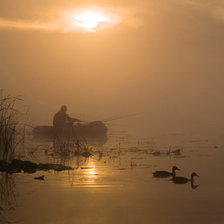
(193, 186)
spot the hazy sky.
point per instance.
(161, 57)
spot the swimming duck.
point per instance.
(39, 178)
(184, 180)
(164, 174)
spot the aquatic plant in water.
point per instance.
(68, 146)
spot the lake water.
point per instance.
(116, 184)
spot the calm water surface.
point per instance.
(116, 185)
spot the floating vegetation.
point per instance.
(133, 164)
(170, 152)
(176, 152)
(156, 153)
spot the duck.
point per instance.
(39, 178)
(184, 180)
(164, 174)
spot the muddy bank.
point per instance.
(17, 166)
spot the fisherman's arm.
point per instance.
(70, 119)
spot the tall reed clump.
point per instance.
(11, 133)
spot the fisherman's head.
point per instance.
(63, 108)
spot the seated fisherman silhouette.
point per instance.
(62, 123)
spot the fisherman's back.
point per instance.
(60, 119)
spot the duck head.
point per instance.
(175, 168)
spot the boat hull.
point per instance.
(94, 133)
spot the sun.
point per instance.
(90, 20)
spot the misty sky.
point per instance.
(165, 58)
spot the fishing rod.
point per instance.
(114, 118)
(121, 117)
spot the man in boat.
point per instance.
(62, 123)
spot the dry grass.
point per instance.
(12, 132)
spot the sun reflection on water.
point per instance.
(90, 172)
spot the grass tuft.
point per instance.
(12, 133)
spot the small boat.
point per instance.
(184, 180)
(164, 174)
(94, 133)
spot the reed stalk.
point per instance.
(11, 131)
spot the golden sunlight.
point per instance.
(90, 20)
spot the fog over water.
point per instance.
(152, 71)
(164, 59)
